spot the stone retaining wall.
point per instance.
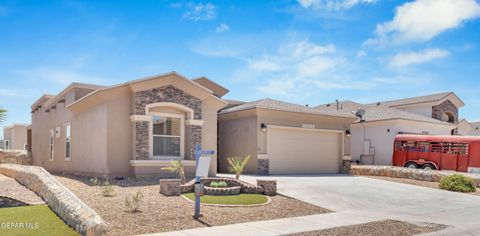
(15, 157)
(63, 202)
(408, 173)
(246, 187)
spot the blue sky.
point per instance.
(306, 51)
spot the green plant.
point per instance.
(94, 181)
(237, 165)
(214, 184)
(133, 204)
(457, 183)
(107, 189)
(3, 115)
(222, 184)
(176, 166)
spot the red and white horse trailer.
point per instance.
(437, 152)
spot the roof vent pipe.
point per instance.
(338, 103)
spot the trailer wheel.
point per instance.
(411, 165)
(428, 167)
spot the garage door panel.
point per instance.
(303, 151)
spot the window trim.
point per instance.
(182, 135)
(68, 128)
(51, 145)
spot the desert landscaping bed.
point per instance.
(385, 227)
(415, 182)
(159, 213)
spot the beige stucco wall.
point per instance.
(238, 137)
(464, 128)
(382, 140)
(17, 136)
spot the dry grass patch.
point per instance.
(158, 213)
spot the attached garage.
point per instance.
(283, 138)
(294, 150)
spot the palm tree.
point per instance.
(237, 165)
(176, 166)
(3, 115)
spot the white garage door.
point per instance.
(297, 150)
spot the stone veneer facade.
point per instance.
(165, 94)
(446, 106)
(263, 165)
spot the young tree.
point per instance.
(176, 166)
(237, 165)
(3, 115)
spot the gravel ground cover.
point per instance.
(416, 182)
(11, 188)
(161, 214)
(242, 199)
(377, 228)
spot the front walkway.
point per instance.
(11, 188)
(278, 226)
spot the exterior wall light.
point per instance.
(263, 127)
(348, 133)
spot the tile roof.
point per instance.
(272, 104)
(376, 113)
(413, 100)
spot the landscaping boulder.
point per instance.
(269, 186)
(170, 187)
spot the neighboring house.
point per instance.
(283, 138)
(464, 127)
(134, 128)
(476, 128)
(15, 137)
(372, 138)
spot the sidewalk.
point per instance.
(278, 226)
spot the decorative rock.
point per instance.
(9, 202)
(170, 187)
(346, 166)
(269, 186)
(263, 166)
(408, 173)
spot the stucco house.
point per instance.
(283, 138)
(465, 128)
(476, 128)
(15, 137)
(134, 128)
(373, 135)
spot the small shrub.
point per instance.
(237, 165)
(222, 184)
(107, 189)
(457, 183)
(94, 181)
(214, 184)
(176, 166)
(133, 204)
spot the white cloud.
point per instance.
(222, 28)
(361, 54)
(200, 11)
(409, 58)
(332, 5)
(264, 65)
(57, 76)
(422, 20)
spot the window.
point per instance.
(52, 135)
(25, 146)
(7, 144)
(167, 135)
(68, 145)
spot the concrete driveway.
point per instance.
(387, 200)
